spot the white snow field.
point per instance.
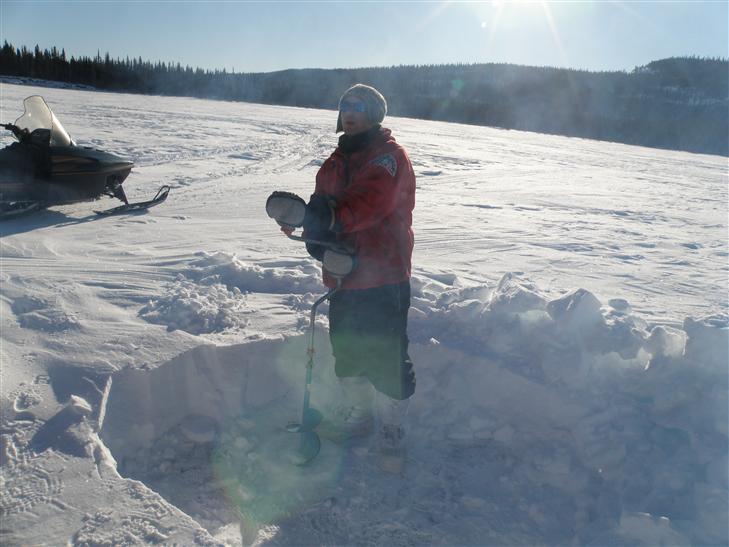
(569, 329)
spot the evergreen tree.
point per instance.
(680, 102)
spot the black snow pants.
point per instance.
(368, 332)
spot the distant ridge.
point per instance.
(679, 103)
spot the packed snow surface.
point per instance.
(569, 328)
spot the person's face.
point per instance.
(354, 116)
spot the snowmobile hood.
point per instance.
(81, 159)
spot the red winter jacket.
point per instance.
(374, 192)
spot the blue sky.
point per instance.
(267, 36)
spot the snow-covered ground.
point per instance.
(569, 329)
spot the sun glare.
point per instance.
(433, 14)
(521, 3)
(501, 10)
(555, 32)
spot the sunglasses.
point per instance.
(353, 107)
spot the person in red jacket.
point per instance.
(364, 199)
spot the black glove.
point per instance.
(319, 216)
(316, 250)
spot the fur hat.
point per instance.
(373, 100)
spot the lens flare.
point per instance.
(254, 459)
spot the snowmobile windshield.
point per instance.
(38, 115)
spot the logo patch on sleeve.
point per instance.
(388, 162)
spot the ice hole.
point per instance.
(207, 431)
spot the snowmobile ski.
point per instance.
(138, 206)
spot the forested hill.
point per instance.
(678, 103)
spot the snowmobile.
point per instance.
(45, 167)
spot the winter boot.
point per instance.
(352, 417)
(392, 451)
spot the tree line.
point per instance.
(677, 103)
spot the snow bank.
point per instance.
(210, 295)
(605, 429)
(644, 408)
(198, 308)
(280, 277)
